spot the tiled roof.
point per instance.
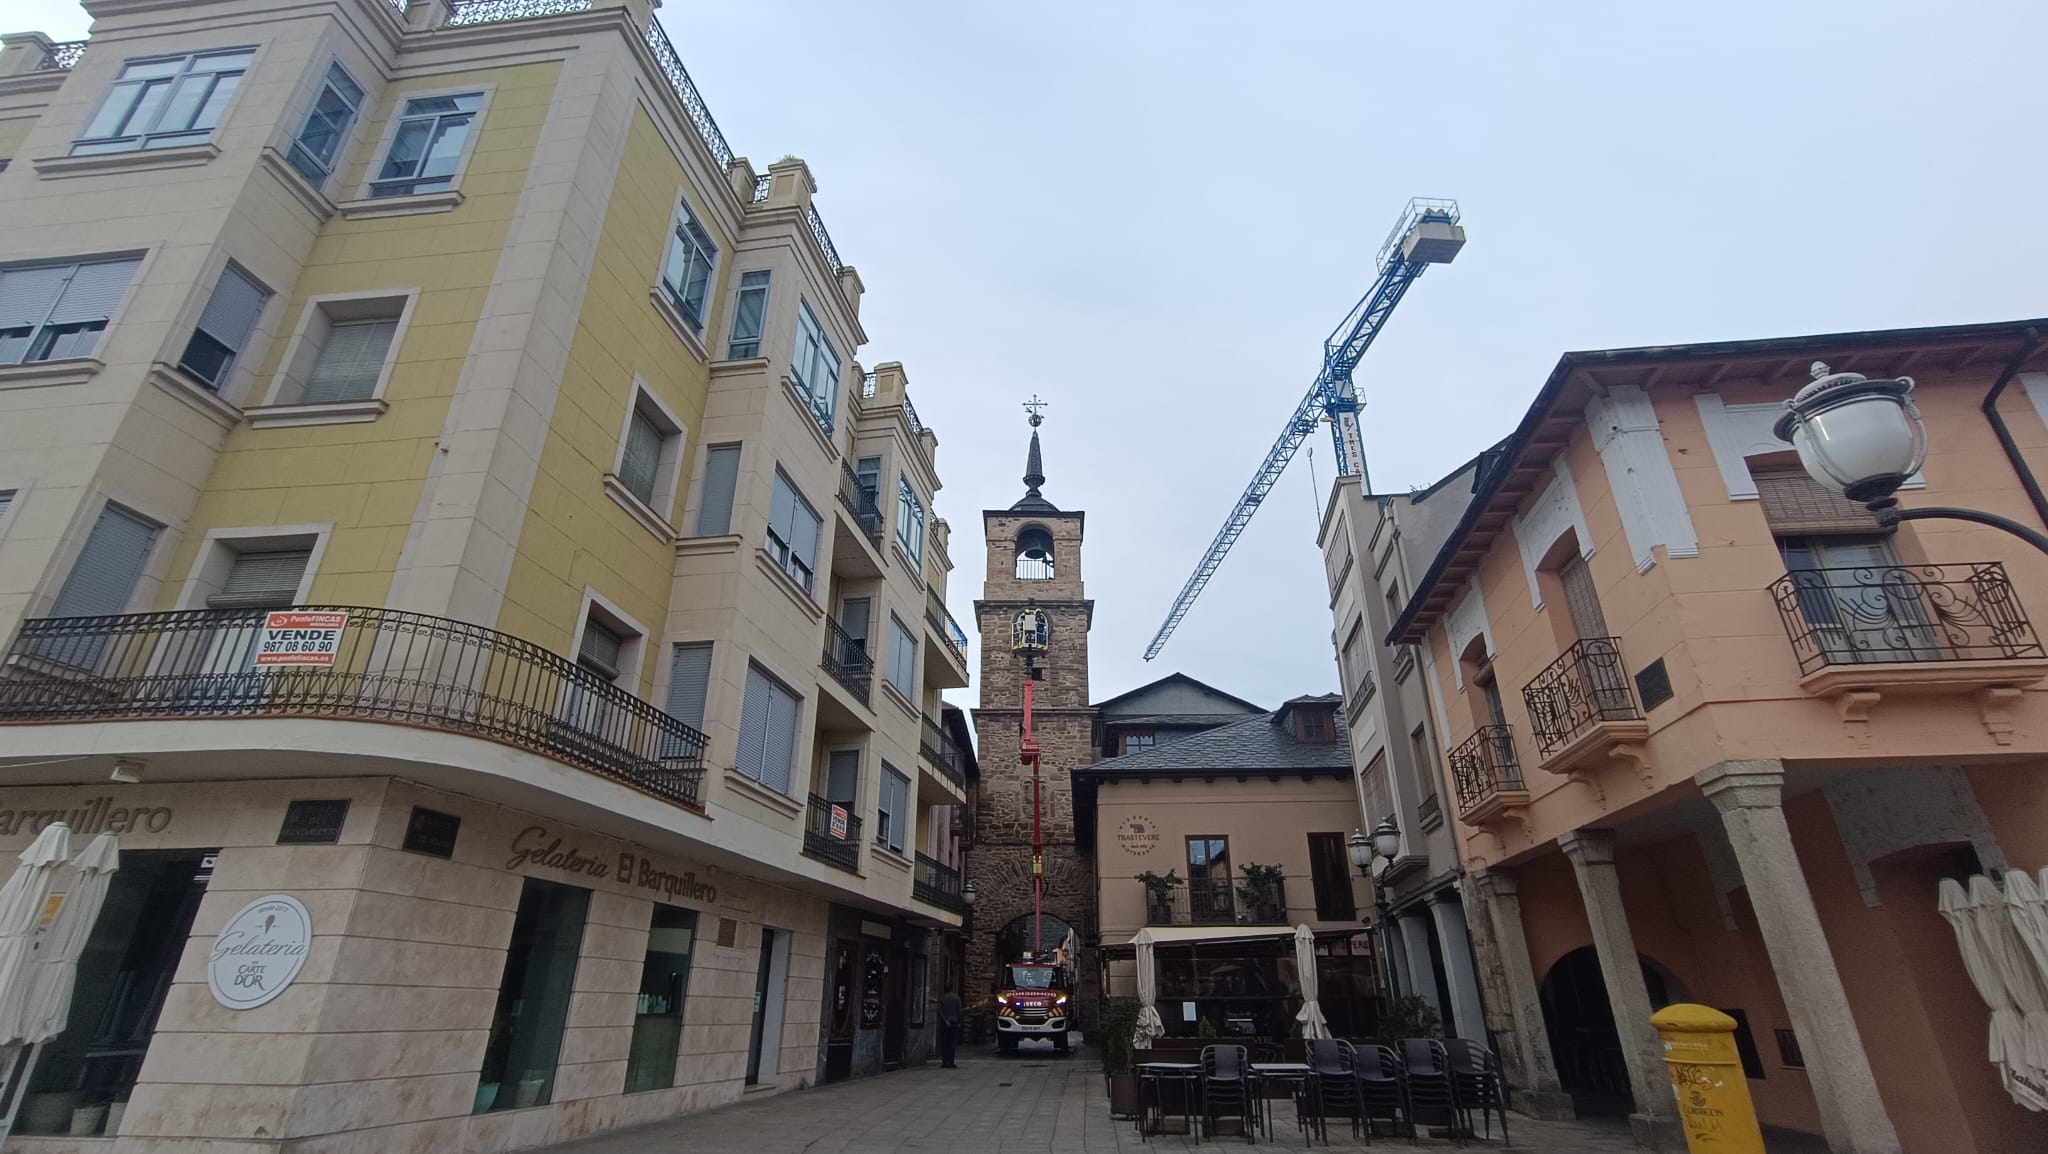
(1253, 745)
(1177, 720)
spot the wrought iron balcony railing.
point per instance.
(937, 884)
(62, 56)
(464, 12)
(1903, 613)
(1485, 766)
(1584, 686)
(942, 620)
(910, 414)
(943, 753)
(847, 660)
(1218, 901)
(861, 500)
(832, 833)
(384, 666)
(686, 91)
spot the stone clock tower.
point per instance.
(1034, 559)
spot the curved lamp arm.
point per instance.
(1891, 515)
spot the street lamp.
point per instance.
(967, 894)
(1865, 438)
(1385, 842)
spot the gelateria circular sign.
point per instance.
(259, 952)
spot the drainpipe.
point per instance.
(2028, 344)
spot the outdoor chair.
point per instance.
(1336, 1075)
(1475, 1074)
(1382, 1089)
(1431, 1089)
(1227, 1084)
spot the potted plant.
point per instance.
(1119, 1021)
(1159, 895)
(1262, 893)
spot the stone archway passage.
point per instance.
(1583, 1037)
(1015, 939)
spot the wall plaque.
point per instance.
(432, 832)
(313, 822)
(258, 953)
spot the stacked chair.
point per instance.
(1477, 1084)
(1227, 1083)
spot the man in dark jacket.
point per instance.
(949, 1027)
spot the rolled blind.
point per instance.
(754, 724)
(895, 805)
(842, 777)
(803, 534)
(600, 650)
(721, 474)
(350, 361)
(780, 754)
(689, 683)
(1794, 503)
(94, 291)
(262, 580)
(902, 657)
(104, 577)
(642, 455)
(231, 312)
(26, 294)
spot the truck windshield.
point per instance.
(1031, 977)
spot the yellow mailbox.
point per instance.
(1713, 1092)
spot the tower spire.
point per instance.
(1034, 463)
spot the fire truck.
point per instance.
(1034, 999)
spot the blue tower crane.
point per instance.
(1427, 233)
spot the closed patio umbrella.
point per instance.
(2028, 903)
(48, 1008)
(1992, 916)
(1313, 1024)
(1149, 1025)
(2007, 1048)
(21, 913)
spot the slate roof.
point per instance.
(1256, 745)
(1177, 720)
(1182, 679)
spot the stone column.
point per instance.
(1463, 996)
(1655, 1121)
(1396, 960)
(1524, 1036)
(1750, 796)
(1421, 975)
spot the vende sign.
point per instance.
(299, 637)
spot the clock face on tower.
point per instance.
(1031, 630)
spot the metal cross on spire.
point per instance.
(1033, 406)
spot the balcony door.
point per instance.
(256, 583)
(1581, 600)
(1859, 604)
(1209, 894)
(854, 613)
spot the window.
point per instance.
(428, 145)
(1329, 871)
(525, 1044)
(721, 476)
(1379, 798)
(1209, 892)
(658, 1015)
(319, 141)
(768, 715)
(53, 311)
(164, 102)
(686, 272)
(902, 658)
(909, 520)
(262, 580)
(814, 368)
(1138, 740)
(224, 327)
(350, 361)
(108, 568)
(1425, 752)
(892, 809)
(1314, 725)
(749, 313)
(689, 682)
(650, 458)
(602, 650)
(343, 349)
(793, 532)
(842, 778)
(1354, 660)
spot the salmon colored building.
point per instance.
(1714, 735)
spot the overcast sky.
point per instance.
(1152, 214)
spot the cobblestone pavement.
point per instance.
(1029, 1104)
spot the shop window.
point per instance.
(533, 998)
(83, 1076)
(658, 1015)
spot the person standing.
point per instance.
(949, 1026)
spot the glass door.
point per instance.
(658, 1016)
(760, 1007)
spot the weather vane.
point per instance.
(1033, 406)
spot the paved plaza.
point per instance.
(1030, 1104)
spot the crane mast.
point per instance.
(1426, 233)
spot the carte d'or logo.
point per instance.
(1137, 835)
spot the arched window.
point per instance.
(1034, 554)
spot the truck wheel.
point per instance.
(1005, 1045)
(1060, 1045)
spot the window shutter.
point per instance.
(781, 506)
(600, 650)
(754, 724)
(108, 568)
(1794, 503)
(689, 683)
(231, 311)
(721, 475)
(637, 466)
(94, 291)
(262, 580)
(803, 534)
(842, 777)
(1581, 599)
(780, 755)
(349, 362)
(26, 294)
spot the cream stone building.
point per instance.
(437, 487)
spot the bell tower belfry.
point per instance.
(1034, 563)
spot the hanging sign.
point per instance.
(259, 952)
(838, 823)
(299, 637)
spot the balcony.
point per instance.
(1487, 777)
(858, 497)
(949, 644)
(1582, 709)
(937, 885)
(847, 660)
(383, 667)
(942, 754)
(1218, 902)
(832, 834)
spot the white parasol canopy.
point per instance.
(21, 913)
(2028, 903)
(1149, 1025)
(48, 1007)
(2008, 1041)
(1313, 1024)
